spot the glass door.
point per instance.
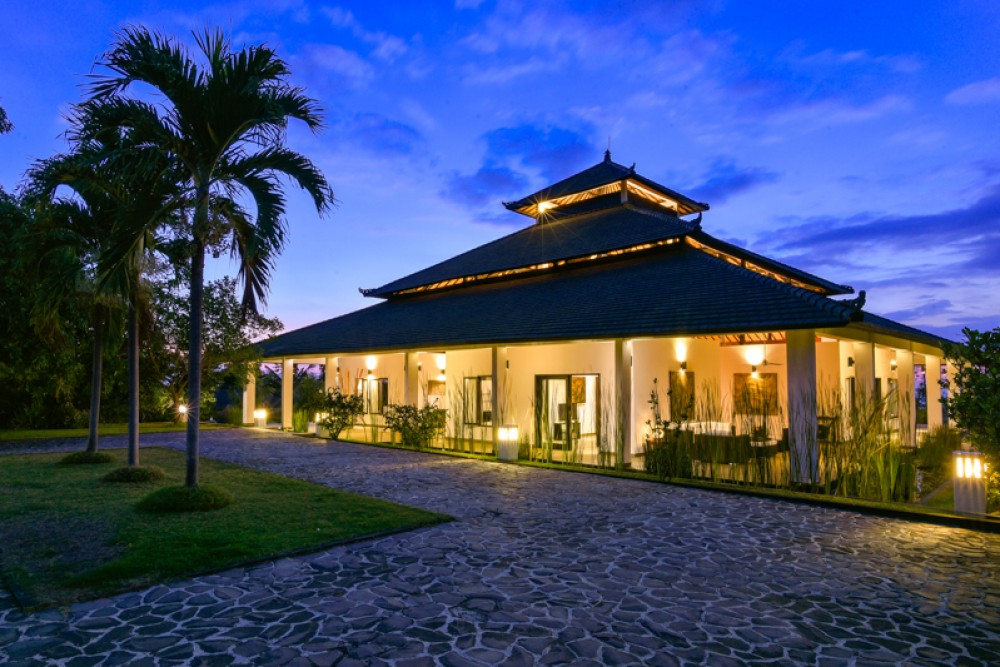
(567, 418)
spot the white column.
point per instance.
(498, 389)
(411, 379)
(864, 372)
(906, 388)
(803, 443)
(623, 399)
(250, 397)
(287, 373)
(330, 373)
(932, 376)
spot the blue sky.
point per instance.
(857, 140)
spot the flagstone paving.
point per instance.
(548, 567)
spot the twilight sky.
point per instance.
(856, 140)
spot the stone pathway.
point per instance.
(547, 567)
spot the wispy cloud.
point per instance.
(726, 179)
(385, 47)
(347, 66)
(980, 92)
(555, 152)
(377, 134)
(490, 184)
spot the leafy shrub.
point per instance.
(300, 421)
(935, 455)
(174, 499)
(86, 458)
(135, 475)
(668, 456)
(416, 426)
(339, 411)
(233, 414)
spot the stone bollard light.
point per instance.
(507, 442)
(970, 484)
(260, 418)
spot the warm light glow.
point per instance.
(507, 433)
(260, 413)
(440, 360)
(320, 416)
(753, 373)
(893, 364)
(681, 350)
(754, 354)
(370, 363)
(441, 377)
(968, 465)
(182, 409)
(545, 206)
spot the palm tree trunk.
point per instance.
(133, 384)
(96, 380)
(194, 361)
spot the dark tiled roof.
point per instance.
(600, 174)
(770, 264)
(879, 323)
(580, 236)
(675, 290)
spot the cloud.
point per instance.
(900, 64)
(929, 308)
(386, 47)
(727, 180)
(980, 219)
(491, 183)
(980, 92)
(512, 153)
(351, 68)
(836, 111)
(378, 134)
(555, 152)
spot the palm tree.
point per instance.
(110, 224)
(223, 122)
(5, 124)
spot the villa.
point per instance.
(564, 328)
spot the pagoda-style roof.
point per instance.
(603, 179)
(670, 290)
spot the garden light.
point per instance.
(970, 486)
(507, 436)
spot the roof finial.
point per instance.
(607, 153)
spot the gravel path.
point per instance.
(548, 567)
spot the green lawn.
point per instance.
(105, 429)
(67, 536)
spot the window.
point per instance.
(375, 394)
(478, 400)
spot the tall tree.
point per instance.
(5, 124)
(111, 223)
(223, 121)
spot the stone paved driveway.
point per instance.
(546, 567)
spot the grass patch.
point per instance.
(105, 429)
(69, 537)
(173, 499)
(86, 458)
(135, 475)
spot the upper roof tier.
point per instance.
(584, 219)
(604, 178)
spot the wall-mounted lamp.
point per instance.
(370, 362)
(420, 366)
(893, 364)
(684, 366)
(753, 372)
(850, 362)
